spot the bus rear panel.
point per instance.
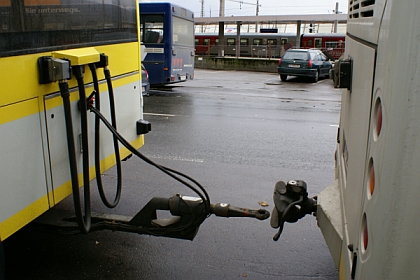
(167, 32)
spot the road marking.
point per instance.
(334, 125)
(176, 158)
(162, 115)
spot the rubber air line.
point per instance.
(84, 223)
(102, 194)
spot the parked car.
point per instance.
(304, 62)
(145, 85)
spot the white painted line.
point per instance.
(162, 115)
(334, 125)
(176, 158)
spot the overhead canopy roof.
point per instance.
(324, 18)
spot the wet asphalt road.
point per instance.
(237, 133)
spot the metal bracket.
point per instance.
(291, 204)
(53, 69)
(345, 73)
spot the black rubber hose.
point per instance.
(83, 223)
(102, 194)
(172, 173)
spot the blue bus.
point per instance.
(167, 34)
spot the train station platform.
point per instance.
(237, 63)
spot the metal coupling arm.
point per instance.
(181, 219)
(185, 211)
(227, 210)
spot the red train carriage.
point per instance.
(332, 43)
(269, 45)
(251, 44)
(204, 42)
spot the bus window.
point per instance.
(283, 41)
(231, 41)
(196, 42)
(318, 43)
(272, 42)
(244, 42)
(216, 42)
(182, 29)
(257, 42)
(36, 26)
(206, 42)
(153, 29)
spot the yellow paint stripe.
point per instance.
(23, 217)
(9, 113)
(342, 269)
(20, 81)
(28, 214)
(65, 190)
(74, 96)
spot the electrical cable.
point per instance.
(84, 223)
(96, 94)
(166, 170)
(170, 172)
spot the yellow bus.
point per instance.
(49, 51)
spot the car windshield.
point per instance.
(296, 55)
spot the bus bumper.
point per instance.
(330, 219)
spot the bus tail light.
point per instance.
(372, 180)
(378, 114)
(365, 237)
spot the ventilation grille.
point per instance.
(361, 8)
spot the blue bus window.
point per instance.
(153, 29)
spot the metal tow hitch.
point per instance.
(291, 204)
(186, 212)
(183, 217)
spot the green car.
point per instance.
(310, 63)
